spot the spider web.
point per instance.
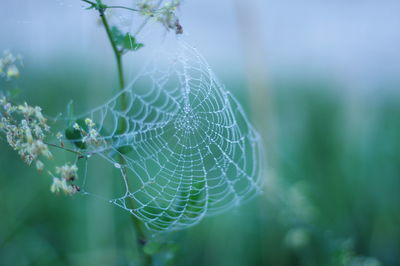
(188, 149)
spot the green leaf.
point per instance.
(100, 5)
(130, 43)
(152, 247)
(92, 6)
(125, 41)
(125, 149)
(117, 35)
(71, 133)
(75, 135)
(172, 248)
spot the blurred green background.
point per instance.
(333, 155)
(331, 194)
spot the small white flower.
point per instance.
(68, 171)
(59, 136)
(8, 65)
(39, 165)
(12, 72)
(67, 174)
(89, 122)
(7, 107)
(76, 126)
(56, 185)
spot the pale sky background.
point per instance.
(352, 41)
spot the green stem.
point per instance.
(96, 5)
(118, 57)
(124, 7)
(89, 2)
(141, 236)
(117, 53)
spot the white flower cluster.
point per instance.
(8, 65)
(25, 128)
(90, 136)
(165, 14)
(67, 174)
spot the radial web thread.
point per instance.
(188, 148)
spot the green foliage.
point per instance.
(125, 150)
(125, 41)
(163, 251)
(152, 247)
(75, 135)
(98, 5)
(350, 163)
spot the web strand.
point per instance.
(189, 148)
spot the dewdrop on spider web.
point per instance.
(188, 149)
(192, 151)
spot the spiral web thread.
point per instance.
(189, 149)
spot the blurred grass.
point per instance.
(331, 194)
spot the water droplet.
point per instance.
(117, 165)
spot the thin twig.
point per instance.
(124, 7)
(139, 29)
(63, 148)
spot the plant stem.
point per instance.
(64, 148)
(117, 52)
(141, 236)
(89, 2)
(147, 19)
(124, 7)
(118, 57)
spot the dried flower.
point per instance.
(89, 122)
(59, 136)
(8, 65)
(91, 136)
(61, 185)
(25, 128)
(165, 14)
(76, 126)
(67, 173)
(39, 165)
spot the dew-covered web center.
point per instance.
(188, 148)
